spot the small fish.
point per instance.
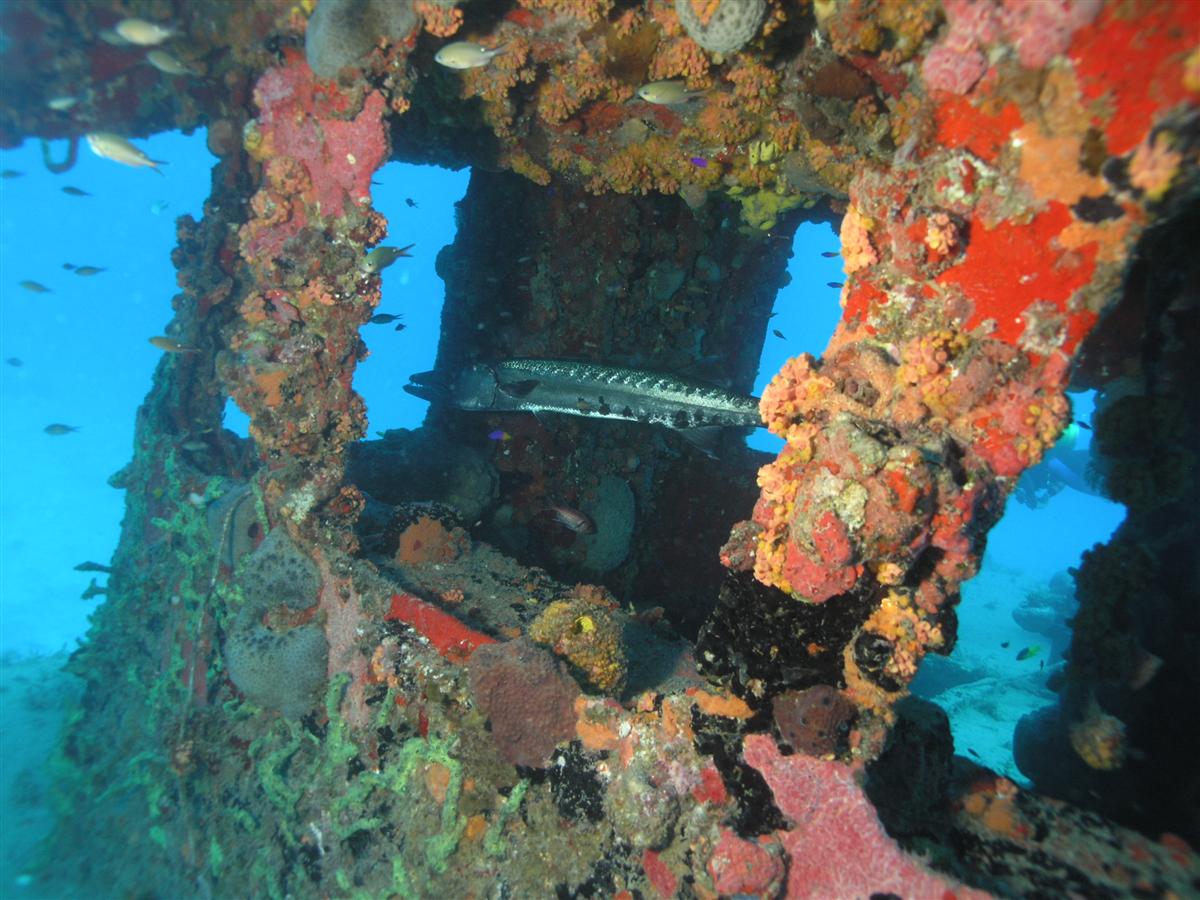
(667, 93)
(194, 446)
(14, 362)
(835, 284)
(499, 435)
(401, 326)
(142, 33)
(410, 202)
(61, 104)
(75, 192)
(699, 162)
(170, 345)
(35, 286)
(383, 319)
(11, 173)
(88, 271)
(111, 37)
(382, 257)
(1004, 645)
(112, 146)
(168, 64)
(973, 753)
(1028, 652)
(778, 334)
(158, 207)
(90, 566)
(466, 55)
(93, 590)
(577, 521)
(58, 428)
(829, 254)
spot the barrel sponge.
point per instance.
(342, 32)
(729, 28)
(280, 670)
(277, 572)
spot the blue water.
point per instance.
(85, 362)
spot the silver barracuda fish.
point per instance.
(589, 390)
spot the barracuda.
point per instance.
(588, 390)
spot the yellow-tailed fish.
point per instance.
(1028, 652)
(88, 271)
(667, 93)
(466, 55)
(118, 149)
(35, 286)
(143, 33)
(382, 257)
(59, 428)
(170, 345)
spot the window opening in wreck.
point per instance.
(418, 202)
(805, 314)
(88, 279)
(1014, 618)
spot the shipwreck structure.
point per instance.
(331, 667)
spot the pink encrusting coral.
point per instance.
(312, 123)
(1038, 31)
(836, 845)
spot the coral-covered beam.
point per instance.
(976, 265)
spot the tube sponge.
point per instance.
(342, 32)
(727, 29)
(285, 668)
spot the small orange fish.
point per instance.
(58, 428)
(170, 345)
(577, 521)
